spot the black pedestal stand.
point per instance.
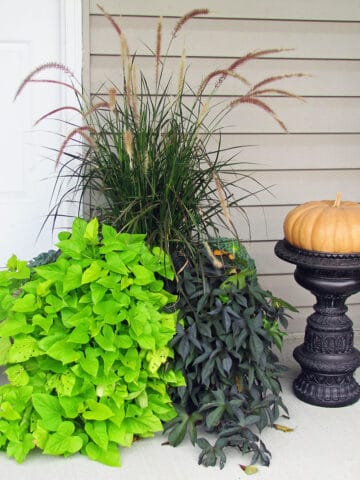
(327, 357)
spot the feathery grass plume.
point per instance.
(124, 49)
(222, 199)
(158, 50)
(95, 107)
(41, 68)
(249, 56)
(277, 91)
(80, 131)
(110, 18)
(224, 74)
(181, 79)
(134, 95)
(251, 99)
(56, 82)
(60, 109)
(128, 142)
(128, 89)
(112, 99)
(187, 17)
(274, 78)
(205, 107)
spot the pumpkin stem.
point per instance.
(337, 200)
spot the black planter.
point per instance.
(327, 357)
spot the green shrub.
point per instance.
(85, 344)
(224, 346)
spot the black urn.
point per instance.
(327, 357)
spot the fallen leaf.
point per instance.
(282, 428)
(249, 469)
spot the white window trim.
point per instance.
(72, 56)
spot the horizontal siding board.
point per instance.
(299, 152)
(326, 78)
(231, 38)
(316, 115)
(259, 224)
(267, 263)
(294, 188)
(346, 10)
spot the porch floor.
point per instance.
(323, 446)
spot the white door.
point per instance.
(31, 33)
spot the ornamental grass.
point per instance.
(152, 162)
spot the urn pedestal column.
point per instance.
(327, 357)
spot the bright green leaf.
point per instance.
(8, 411)
(64, 352)
(97, 292)
(26, 304)
(115, 264)
(143, 276)
(5, 345)
(43, 288)
(17, 375)
(110, 456)
(106, 339)
(92, 273)
(23, 348)
(119, 435)
(20, 449)
(123, 341)
(97, 431)
(44, 322)
(89, 363)
(49, 409)
(72, 406)
(91, 231)
(72, 248)
(72, 279)
(97, 411)
(62, 441)
(14, 325)
(80, 334)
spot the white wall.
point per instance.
(319, 156)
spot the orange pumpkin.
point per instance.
(325, 226)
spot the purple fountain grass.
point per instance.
(43, 67)
(185, 18)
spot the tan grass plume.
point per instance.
(222, 199)
(112, 99)
(158, 49)
(128, 142)
(181, 79)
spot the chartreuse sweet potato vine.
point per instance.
(85, 344)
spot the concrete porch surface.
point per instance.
(323, 446)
